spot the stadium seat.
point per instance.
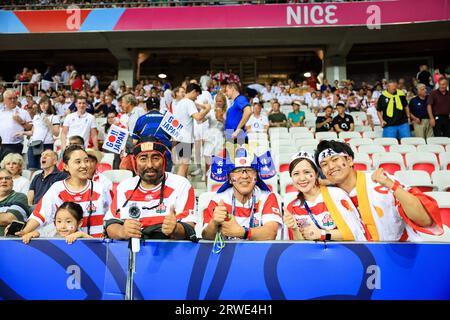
(403, 149)
(359, 116)
(302, 135)
(425, 161)
(347, 135)
(258, 136)
(310, 123)
(385, 142)
(118, 175)
(441, 179)
(277, 130)
(286, 184)
(311, 149)
(294, 130)
(326, 135)
(361, 162)
(389, 161)
(108, 158)
(415, 178)
(370, 149)
(435, 148)
(360, 141)
(306, 142)
(416, 141)
(272, 183)
(439, 140)
(443, 201)
(282, 161)
(444, 159)
(372, 134)
(101, 167)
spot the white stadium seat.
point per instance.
(361, 162)
(298, 130)
(444, 159)
(413, 140)
(346, 135)
(439, 140)
(385, 142)
(372, 134)
(389, 161)
(117, 176)
(415, 178)
(435, 148)
(441, 179)
(443, 201)
(425, 161)
(371, 149)
(329, 135)
(359, 141)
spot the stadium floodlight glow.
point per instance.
(307, 74)
(162, 75)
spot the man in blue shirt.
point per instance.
(418, 113)
(238, 114)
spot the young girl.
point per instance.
(92, 196)
(68, 221)
(319, 212)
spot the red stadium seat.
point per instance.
(103, 167)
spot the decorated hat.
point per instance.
(303, 155)
(241, 157)
(149, 144)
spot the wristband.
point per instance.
(246, 233)
(249, 236)
(323, 234)
(395, 186)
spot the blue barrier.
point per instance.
(94, 269)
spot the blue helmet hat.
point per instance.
(242, 158)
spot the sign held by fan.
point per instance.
(172, 126)
(116, 139)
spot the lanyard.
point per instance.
(252, 212)
(311, 215)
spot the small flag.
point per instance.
(172, 126)
(218, 172)
(116, 139)
(266, 166)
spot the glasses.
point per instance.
(5, 178)
(248, 171)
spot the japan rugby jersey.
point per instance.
(266, 209)
(59, 192)
(178, 192)
(322, 215)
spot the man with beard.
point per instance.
(154, 204)
(389, 210)
(244, 207)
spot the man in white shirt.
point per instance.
(93, 81)
(13, 121)
(204, 80)
(257, 122)
(81, 124)
(65, 76)
(185, 112)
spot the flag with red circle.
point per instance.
(172, 126)
(116, 139)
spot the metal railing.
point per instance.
(21, 87)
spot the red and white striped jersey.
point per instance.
(103, 180)
(178, 192)
(322, 215)
(59, 192)
(266, 208)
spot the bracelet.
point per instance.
(323, 233)
(245, 233)
(249, 234)
(395, 186)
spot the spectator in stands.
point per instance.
(45, 126)
(372, 116)
(81, 124)
(178, 94)
(13, 205)
(439, 109)
(111, 119)
(215, 138)
(93, 81)
(393, 112)
(237, 114)
(353, 103)
(45, 179)
(325, 123)
(13, 162)
(319, 212)
(267, 94)
(343, 121)
(419, 113)
(94, 158)
(102, 109)
(68, 221)
(77, 84)
(91, 195)
(276, 117)
(186, 112)
(232, 211)
(386, 216)
(13, 120)
(258, 122)
(47, 79)
(424, 77)
(296, 118)
(152, 190)
(89, 107)
(65, 76)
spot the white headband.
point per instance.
(329, 153)
(304, 155)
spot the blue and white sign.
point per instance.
(116, 139)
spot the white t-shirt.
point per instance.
(257, 124)
(80, 125)
(9, 128)
(183, 112)
(372, 111)
(40, 129)
(21, 184)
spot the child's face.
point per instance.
(65, 223)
